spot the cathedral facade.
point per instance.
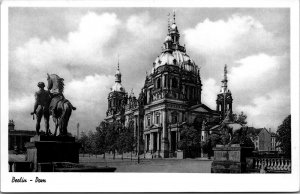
(170, 98)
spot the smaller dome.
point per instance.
(117, 87)
(168, 38)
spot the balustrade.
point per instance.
(272, 164)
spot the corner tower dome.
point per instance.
(117, 87)
(173, 53)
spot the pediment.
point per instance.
(201, 108)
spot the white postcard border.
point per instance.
(151, 182)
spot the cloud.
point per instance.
(91, 90)
(235, 35)
(209, 92)
(268, 110)
(142, 25)
(260, 86)
(255, 71)
(224, 41)
(89, 96)
(22, 103)
(255, 75)
(83, 47)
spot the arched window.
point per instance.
(174, 61)
(148, 121)
(174, 117)
(157, 118)
(158, 83)
(174, 83)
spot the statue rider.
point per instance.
(41, 107)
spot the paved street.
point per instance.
(151, 165)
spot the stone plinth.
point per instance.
(230, 158)
(180, 154)
(52, 138)
(43, 149)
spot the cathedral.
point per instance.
(170, 98)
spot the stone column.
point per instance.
(151, 142)
(135, 132)
(165, 142)
(170, 140)
(145, 142)
(157, 141)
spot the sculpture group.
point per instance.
(51, 102)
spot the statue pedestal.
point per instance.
(47, 149)
(230, 158)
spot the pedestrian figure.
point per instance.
(263, 169)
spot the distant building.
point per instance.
(18, 138)
(263, 139)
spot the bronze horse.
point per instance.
(60, 108)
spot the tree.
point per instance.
(241, 136)
(88, 143)
(241, 118)
(83, 141)
(190, 140)
(101, 132)
(283, 136)
(130, 141)
(111, 137)
(121, 141)
(211, 142)
(126, 140)
(90, 146)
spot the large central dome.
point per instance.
(173, 53)
(177, 58)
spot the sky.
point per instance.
(82, 46)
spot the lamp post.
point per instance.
(138, 139)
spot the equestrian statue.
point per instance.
(52, 102)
